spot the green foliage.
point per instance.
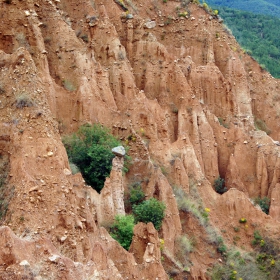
(261, 125)
(222, 122)
(264, 203)
(261, 264)
(258, 34)
(237, 266)
(136, 194)
(257, 238)
(150, 210)
(219, 185)
(191, 205)
(264, 7)
(122, 230)
(90, 149)
(222, 248)
(186, 244)
(243, 221)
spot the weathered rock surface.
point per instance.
(181, 94)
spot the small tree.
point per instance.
(219, 185)
(264, 203)
(122, 230)
(150, 210)
(90, 149)
(136, 194)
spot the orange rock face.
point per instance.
(178, 90)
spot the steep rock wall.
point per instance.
(184, 89)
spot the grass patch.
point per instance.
(264, 203)
(24, 100)
(261, 125)
(193, 204)
(68, 85)
(223, 123)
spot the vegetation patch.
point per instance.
(90, 149)
(261, 125)
(68, 85)
(23, 100)
(258, 34)
(223, 123)
(264, 203)
(122, 230)
(150, 210)
(219, 185)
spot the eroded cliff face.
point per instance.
(185, 91)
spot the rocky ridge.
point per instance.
(185, 91)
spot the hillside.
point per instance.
(263, 7)
(258, 35)
(200, 117)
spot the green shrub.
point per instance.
(122, 230)
(243, 221)
(257, 238)
(261, 125)
(221, 247)
(219, 185)
(150, 210)
(264, 203)
(136, 194)
(237, 266)
(90, 149)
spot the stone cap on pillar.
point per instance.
(119, 151)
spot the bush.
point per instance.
(90, 149)
(219, 185)
(150, 210)
(257, 238)
(264, 203)
(136, 194)
(122, 230)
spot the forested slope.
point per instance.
(264, 7)
(258, 35)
